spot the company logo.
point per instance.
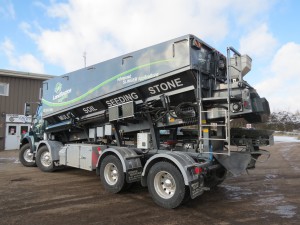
(58, 88)
(61, 95)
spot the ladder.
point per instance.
(204, 138)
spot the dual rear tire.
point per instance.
(165, 182)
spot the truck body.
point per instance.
(160, 116)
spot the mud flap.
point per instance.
(133, 175)
(196, 187)
(236, 163)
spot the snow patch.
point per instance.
(9, 159)
(271, 200)
(285, 211)
(274, 202)
(236, 193)
(285, 139)
(271, 176)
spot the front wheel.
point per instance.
(166, 185)
(26, 156)
(112, 175)
(44, 159)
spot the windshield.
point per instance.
(38, 121)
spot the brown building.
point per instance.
(16, 88)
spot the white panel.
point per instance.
(73, 156)
(85, 158)
(12, 136)
(143, 140)
(100, 132)
(108, 130)
(92, 133)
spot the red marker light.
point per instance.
(171, 142)
(246, 104)
(198, 170)
(99, 150)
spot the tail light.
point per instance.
(198, 170)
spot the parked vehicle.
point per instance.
(160, 116)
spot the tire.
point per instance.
(166, 185)
(26, 157)
(112, 175)
(216, 178)
(44, 160)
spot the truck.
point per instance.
(160, 116)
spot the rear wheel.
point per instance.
(44, 160)
(166, 185)
(112, 175)
(26, 156)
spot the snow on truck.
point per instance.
(160, 116)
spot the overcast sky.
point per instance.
(51, 36)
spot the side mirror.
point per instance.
(27, 109)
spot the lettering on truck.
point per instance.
(122, 99)
(89, 109)
(153, 90)
(165, 86)
(66, 116)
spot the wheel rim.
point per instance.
(111, 174)
(164, 184)
(28, 156)
(46, 159)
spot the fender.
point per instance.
(183, 161)
(53, 146)
(185, 164)
(29, 139)
(128, 157)
(130, 160)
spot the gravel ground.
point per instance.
(270, 194)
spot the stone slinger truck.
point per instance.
(160, 116)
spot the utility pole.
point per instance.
(84, 58)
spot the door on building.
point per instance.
(13, 134)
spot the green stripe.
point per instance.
(54, 104)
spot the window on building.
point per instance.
(4, 89)
(12, 130)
